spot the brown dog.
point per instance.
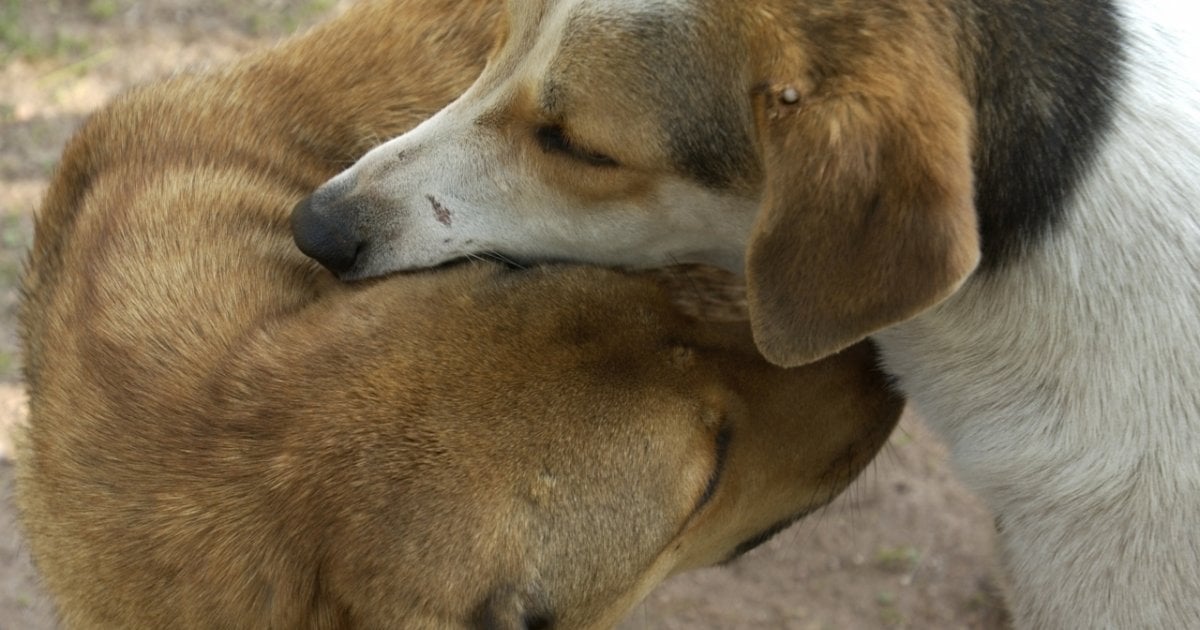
(223, 437)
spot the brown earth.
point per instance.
(906, 547)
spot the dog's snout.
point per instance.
(329, 237)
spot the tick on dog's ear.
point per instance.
(867, 216)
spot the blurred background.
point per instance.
(906, 547)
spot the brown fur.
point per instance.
(223, 437)
(867, 206)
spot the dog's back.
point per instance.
(162, 264)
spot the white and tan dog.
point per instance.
(1006, 195)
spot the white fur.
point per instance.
(1068, 387)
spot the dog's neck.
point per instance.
(1042, 76)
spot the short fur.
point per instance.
(1003, 192)
(223, 437)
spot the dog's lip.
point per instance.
(508, 261)
(512, 263)
(499, 259)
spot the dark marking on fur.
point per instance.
(440, 212)
(723, 439)
(1045, 78)
(552, 99)
(707, 123)
(708, 129)
(509, 608)
(752, 543)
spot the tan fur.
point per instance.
(222, 437)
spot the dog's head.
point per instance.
(540, 449)
(823, 145)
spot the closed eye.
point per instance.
(721, 446)
(724, 437)
(553, 139)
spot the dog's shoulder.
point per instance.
(1044, 77)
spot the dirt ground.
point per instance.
(906, 547)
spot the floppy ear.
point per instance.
(867, 216)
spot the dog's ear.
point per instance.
(867, 215)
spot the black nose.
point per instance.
(331, 241)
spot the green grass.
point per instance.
(260, 20)
(14, 240)
(14, 37)
(13, 234)
(18, 42)
(8, 365)
(104, 9)
(903, 559)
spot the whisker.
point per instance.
(501, 258)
